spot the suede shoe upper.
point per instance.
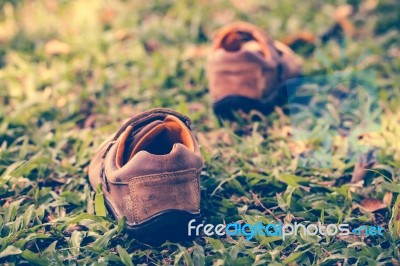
(151, 165)
(244, 62)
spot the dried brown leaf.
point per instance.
(387, 199)
(372, 205)
(326, 183)
(398, 216)
(90, 120)
(343, 12)
(56, 47)
(151, 46)
(369, 5)
(297, 147)
(107, 15)
(395, 262)
(341, 16)
(365, 162)
(302, 36)
(195, 52)
(122, 34)
(307, 189)
(245, 6)
(243, 199)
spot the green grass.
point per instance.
(117, 58)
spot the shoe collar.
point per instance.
(243, 27)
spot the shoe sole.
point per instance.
(171, 225)
(226, 107)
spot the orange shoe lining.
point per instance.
(231, 37)
(121, 148)
(162, 138)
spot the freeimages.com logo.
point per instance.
(249, 231)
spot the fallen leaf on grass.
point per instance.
(360, 169)
(372, 205)
(50, 217)
(387, 199)
(348, 238)
(369, 5)
(55, 47)
(342, 12)
(297, 147)
(342, 25)
(302, 36)
(326, 183)
(75, 227)
(395, 262)
(341, 16)
(245, 6)
(243, 199)
(151, 46)
(195, 52)
(280, 131)
(90, 120)
(122, 35)
(302, 40)
(107, 15)
(307, 189)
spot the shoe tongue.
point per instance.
(130, 138)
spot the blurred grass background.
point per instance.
(72, 71)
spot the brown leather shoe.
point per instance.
(247, 70)
(149, 172)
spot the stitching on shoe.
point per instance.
(130, 206)
(162, 175)
(133, 199)
(197, 179)
(140, 179)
